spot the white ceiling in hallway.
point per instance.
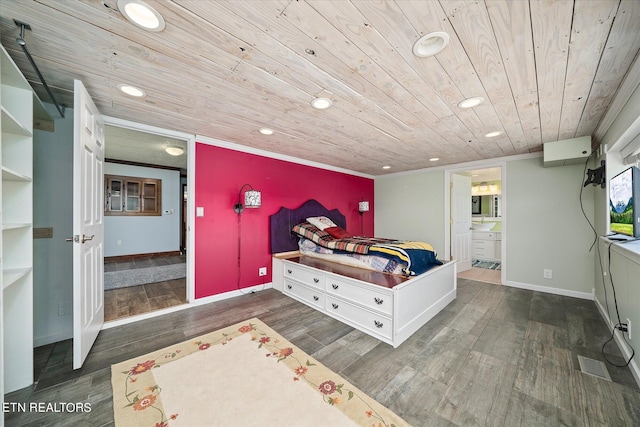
(143, 147)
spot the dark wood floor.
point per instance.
(130, 301)
(496, 356)
(133, 300)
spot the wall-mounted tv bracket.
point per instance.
(596, 176)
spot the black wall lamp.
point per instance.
(363, 206)
(252, 199)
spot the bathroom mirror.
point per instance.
(488, 205)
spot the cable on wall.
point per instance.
(595, 239)
(620, 326)
(21, 41)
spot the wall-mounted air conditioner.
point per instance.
(567, 151)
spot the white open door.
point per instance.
(461, 221)
(88, 224)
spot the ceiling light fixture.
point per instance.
(434, 159)
(174, 150)
(430, 44)
(471, 102)
(321, 103)
(266, 131)
(141, 14)
(132, 90)
(493, 134)
(386, 167)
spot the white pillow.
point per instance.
(321, 222)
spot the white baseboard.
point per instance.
(231, 294)
(50, 339)
(624, 348)
(550, 290)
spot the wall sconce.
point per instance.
(251, 199)
(363, 207)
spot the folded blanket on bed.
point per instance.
(370, 262)
(418, 256)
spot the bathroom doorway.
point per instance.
(486, 211)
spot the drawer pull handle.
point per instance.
(289, 271)
(378, 300)
(316, 298)
(334, 305)
(334, 286)
(289, 286)
(378, 324)
(316, 280)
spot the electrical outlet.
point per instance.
(262, 271)
(629, 328)
(548, 274)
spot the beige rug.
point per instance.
(242, 375)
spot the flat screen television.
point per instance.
(624, 203)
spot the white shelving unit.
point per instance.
(17, 102)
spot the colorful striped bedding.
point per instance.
(369, 262)
(417, 257)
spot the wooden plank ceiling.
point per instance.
(548, 70)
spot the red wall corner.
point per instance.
(220, 172)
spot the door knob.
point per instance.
(76, 238)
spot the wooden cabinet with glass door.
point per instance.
(125, 195)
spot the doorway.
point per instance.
(481, 255)
(145, 263)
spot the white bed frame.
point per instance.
(390, 308)
(414, 301)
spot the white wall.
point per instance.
(52, 207)
(546, 228)
(410, 207)
(145, 234)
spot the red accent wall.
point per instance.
(220, 172)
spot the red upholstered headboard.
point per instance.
(282, 239)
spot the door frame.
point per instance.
(447, 207)
(191, 177)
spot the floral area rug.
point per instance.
(242, 375)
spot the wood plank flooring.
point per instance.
(130, 301)
(496, 356)
(482, 275)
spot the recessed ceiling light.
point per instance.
(434, 159)
(493, 134)
(430, 44)
(266, 131)
(386, 167)
(141, 14)
(321, 103)
(132, 90)
(174, 150)
(471, 102)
